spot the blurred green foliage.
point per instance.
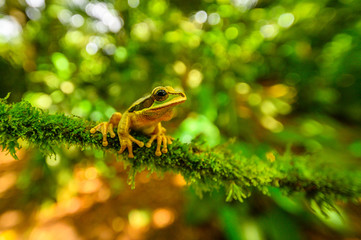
(267, 73)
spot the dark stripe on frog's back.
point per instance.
(146, 103)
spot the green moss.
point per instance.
(206, 169)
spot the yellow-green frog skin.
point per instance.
(145, 115)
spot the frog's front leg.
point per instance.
(159, 134)
(107, 127)
(125, 139)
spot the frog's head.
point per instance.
(161, 98)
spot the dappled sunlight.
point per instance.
(79, 198)
(266, 81)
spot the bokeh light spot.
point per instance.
(268, 108)
(109, 49)
(311, 128)
(9, 29)
(114, 24)
(36, 3)
(186, 138)
(118, 224)
(33, 13)
(44, 101)
(179, 67)
(269, 31)
(141, 31)
(278, 90)
(231, 33)
(96, 116)
(114, 90)
(133, 3)
(7, 180)
(236, 51)
(214, 18)
(120, 55)
(60, 61)
(225, 10)
(91, 173)
(106, 16)
(75, 38)
(57, 96)
(251, 230)
(64, 16)
(254, 99)
(80, 3)
(67, 87)
(200, 17)
(163, 217)
(194, 41)
(9, 219)
(245, 4)
(271, 124)
(172, 36)
(77, 20)
(242, 88)
(178, 180)
(91, 48)
(195, 78)
(157, 7)
(138, 218)
(286, 20)
(53, 160)
(257, 14)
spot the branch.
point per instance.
(204, 168)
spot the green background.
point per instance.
(268, 74)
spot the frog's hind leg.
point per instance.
(113, 122)
(107, 127)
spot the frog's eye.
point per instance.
(161, 95)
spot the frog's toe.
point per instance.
(122, 148)
(130, 150)
(164, 140)
(169, 139)
(98, 127)
(105, 143)
(111, 130)
(139, 143)
(158, 153)
(150, 141)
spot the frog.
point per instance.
(144, 115)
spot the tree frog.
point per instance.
(144, 115)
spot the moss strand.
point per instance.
(204, 168)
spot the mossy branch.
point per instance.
(204, 168)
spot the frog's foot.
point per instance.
(126, 142)
(104, 128)
(162, 139)
(107, 127)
